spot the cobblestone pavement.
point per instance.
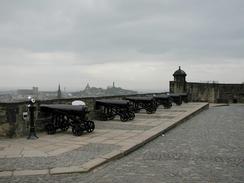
(63, 152)
(73, 158)
(207, 148)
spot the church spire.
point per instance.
(87, 87)
(59, 95)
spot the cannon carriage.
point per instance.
(184, 97)
(176, 98)
(62, 116)
(164, 100)
(147, 103)
(111, 108)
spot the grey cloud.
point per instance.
(91, 32)
(153, 26)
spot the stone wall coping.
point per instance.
(75, 98)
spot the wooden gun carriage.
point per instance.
(111, 108)
(62, 116)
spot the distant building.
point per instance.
(6, 97)
(94, 91)
(28, 92)
(35, 92)
(59, 93)
(87, 87)
(209, 92)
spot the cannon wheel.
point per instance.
(77, 130)
(50, 129)
(168, 105)
(131, 115)
(89, 126)
(151, 110)
(123, 117)
(178, 102)
(65, 128)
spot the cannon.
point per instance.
(147, 103)
(184, 97)
(111, 108)
(62, 116)
(164, 100)
(176, 98)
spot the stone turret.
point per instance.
(179, 75)
(179, 83)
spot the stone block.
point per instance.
(4, 130)
(30, 172)
(2, 112)
(6, 173)
(93, 163)
(58, 151)
(70, 169)
(113, 155)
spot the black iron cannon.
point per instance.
(164, 100)
(176, 98)
(111, 108)
(147, 103)
(62, 116)
(184, 97)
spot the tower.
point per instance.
(179, 83)
(59, 95)
(87, 87)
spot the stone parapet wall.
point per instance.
(210, 92)
(12, 123)
(203, 92)
(216, 92)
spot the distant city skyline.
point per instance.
(65, 89)
(138, 44)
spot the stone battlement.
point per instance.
(207, 92)
(12, 123)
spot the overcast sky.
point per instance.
(138, 44)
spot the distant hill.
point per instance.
(95, 92)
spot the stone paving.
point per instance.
(207, 148)
(65, 153)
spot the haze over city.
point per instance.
(137, 44)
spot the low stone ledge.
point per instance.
(30, 172)
(6, 173)
(112, 155)
(64, 170)
(93, 163)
